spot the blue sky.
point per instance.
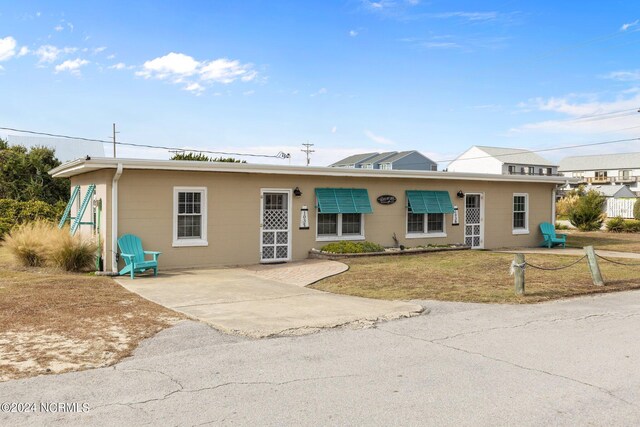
(348, 76)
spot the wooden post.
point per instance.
(593, 266)
(519, 274)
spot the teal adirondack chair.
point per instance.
(551, 239)
(134, 257)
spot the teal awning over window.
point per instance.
(343, 200)
(424, 202)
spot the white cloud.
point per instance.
(70, 25)
(99, 49)
(194, 88)
(379, 139)
(248, 92)
(441, 45)
(24, 50)
(624, 76)
(226, 71)
(1, 68)
(353, 33)
(118, 66)
(176, 65)
(585, 114)
(58, 28)
(625, 27)
(7, 48)
(334, 129)
(179, 68)
(48, 53)
(469, 16)
(71, 65)
(321, 91)
(112, 56)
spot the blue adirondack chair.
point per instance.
(551, 239)
(134, 257)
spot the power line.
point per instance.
(280, 155)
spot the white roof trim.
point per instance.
(81, 166)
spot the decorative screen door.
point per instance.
(275, 230)
(473, 220)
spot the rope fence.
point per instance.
(618, 262)
(519, 264)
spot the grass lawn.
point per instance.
(623, 242)
(52, 322)
(472, 276)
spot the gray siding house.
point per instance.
(391, 160)
(503, 161)
(607, 169)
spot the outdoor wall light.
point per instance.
(460, 194)
(297, 192)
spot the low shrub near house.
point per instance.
(632, 226)
(636, 209)
(42, 243)
(566, 204)
(615, 225)
(619, 225)
(346, 247)
(560, 226)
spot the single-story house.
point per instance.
(613, 191)
(209, 214)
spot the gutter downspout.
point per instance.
(114, 219)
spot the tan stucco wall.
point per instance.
(102, 179)
(146, 209)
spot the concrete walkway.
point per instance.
(261, 301)
(570, 252)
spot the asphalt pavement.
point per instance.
(571, 362)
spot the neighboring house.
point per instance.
(65, 149)
(392, 160)
(505, 161)
(354, 161)
(620, 200)
(206, 214)
(604, 169)
(613, 191)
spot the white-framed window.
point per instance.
(425, 225)
(601, 175)
(386, 166)
(367, 166)
(345, 226)
(189, 216)
(625, 174)
(520, 216)
(532, 170)
(512, 169)
(578, 174)
(549, 171)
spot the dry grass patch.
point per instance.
(53, 322)
(472, 276)
(623, 242)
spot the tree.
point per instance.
(199, 157)
(587, 214)
(24, 174)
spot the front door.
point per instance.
(473, 221)
(275, 230)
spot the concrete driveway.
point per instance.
(572, 362)
(260, 301)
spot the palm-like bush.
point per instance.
(587, 214)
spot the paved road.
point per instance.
(573, 362)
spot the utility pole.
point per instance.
(114, 140)
(308, 151)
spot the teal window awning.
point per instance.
(343, 200)
(426, 202)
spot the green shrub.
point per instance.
(632, 226)
(560, 226)
(587, 214)
(28, 243)
(636, 209)
(615, 225)
(13, 212)
(71, 253)
(346, 247)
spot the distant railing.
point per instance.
(608, 179)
